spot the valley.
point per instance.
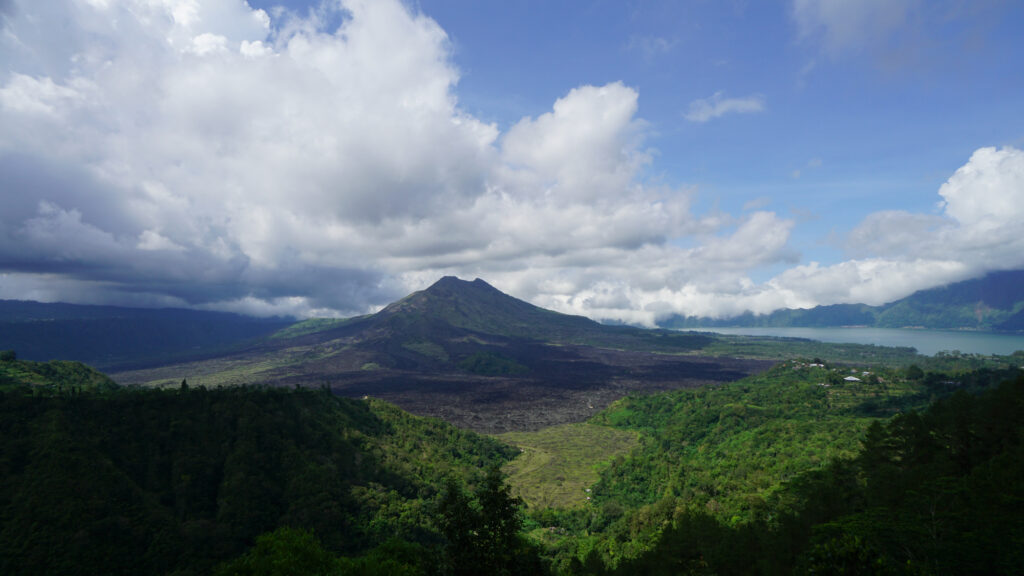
(393, 442)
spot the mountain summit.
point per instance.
(482, 308)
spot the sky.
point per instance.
(626, 161)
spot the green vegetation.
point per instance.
(798, 348)
(936, 492)
(160, 481)
(722, 460)
(863, 460)
(558, 465)
(727, 448)
(55, 376)
(483, 532)
(798, 470)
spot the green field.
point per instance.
(558, 465)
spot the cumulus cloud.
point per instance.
(705, 109)
(980, 228)
(985, 194)
(981, 221)
(206, 154)
(203, 154)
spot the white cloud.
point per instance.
(980, 229)
(39, 96)
(981, 223)
(196, 153)
(207, 44)
(227, 160)
(588, 144)
(717, 105)
(987, 193)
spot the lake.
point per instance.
(926, 341)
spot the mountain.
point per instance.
(480, 307)
(468, 353)
(994, 302)
(113, 337)
(986, 303)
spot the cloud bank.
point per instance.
(171, 152)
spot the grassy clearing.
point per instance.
(558, 464)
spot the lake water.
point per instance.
(926, 341)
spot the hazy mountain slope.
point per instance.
(115, 337)
(984, 303)
(994, 302)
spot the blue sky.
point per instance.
(878, 122)
(622, 160)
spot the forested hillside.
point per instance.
(724, 462)
(53, 376)
(179, 481)
(933, 492)
(797, 470)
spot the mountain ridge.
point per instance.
(994, 302)
(119, 337)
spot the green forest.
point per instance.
(807, 468)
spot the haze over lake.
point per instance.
(927, 342)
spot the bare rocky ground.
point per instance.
(564, 384)
(577, 383)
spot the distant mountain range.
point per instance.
(113, 337)
(993, 303)
(454, 325)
